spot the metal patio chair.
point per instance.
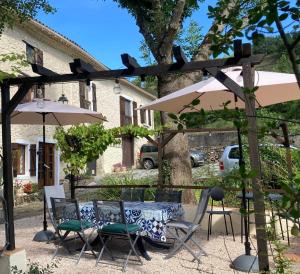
(56, 191)
(162, 195)
(110, 217)
(217, 194)
(188, 229)
(133, 194)
(66, 217)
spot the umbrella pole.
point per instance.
(44, 171)
(44, 235)
(244, 200)
(246, 262)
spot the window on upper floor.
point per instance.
(84, 95)
(94, 95)
(128, 112)
(34, 55)
(149, 118)
(18, 159)
(143, 116)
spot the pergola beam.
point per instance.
(79, 66)
(42, 70)
(227, 82)
(149, 71)
(17, 98)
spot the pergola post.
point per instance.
(8, 190)
(258, 194)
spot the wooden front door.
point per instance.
(127, 151)
(50, 164)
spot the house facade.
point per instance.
(44, 46)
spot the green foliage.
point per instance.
(189, 39)
(36, 268)
(282, 264)
(81, 144)
(260, 14)
(16, 62)
(13, 11)
(166, 171)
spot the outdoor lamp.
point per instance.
(39, 97)
(117, 88)
(63, 99)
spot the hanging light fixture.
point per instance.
(63, 99)
(39, 97)
(117, 88)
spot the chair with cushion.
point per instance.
(110, 217)
(133, 194)
(217, 194)
(188, 229)
(66, 217)
(163, 195)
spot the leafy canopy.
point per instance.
(20, 10)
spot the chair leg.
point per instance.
(208, 227)
(231, 227)
(225, 224)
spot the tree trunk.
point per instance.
(176, 151)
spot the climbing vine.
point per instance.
(81, 144)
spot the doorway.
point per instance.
(127, 151)
(50, 164)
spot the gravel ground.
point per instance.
(216, 261)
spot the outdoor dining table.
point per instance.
(150, 216)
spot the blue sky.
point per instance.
(102, 28)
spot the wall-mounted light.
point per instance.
(39, 97)
(117, 87)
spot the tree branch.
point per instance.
(290, 50)
(172, 28)
(295, 42)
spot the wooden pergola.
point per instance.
(82, 71)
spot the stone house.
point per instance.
(54, 51)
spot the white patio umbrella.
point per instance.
(46, 112)
(273, 88)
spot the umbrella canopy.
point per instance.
(56, 114)
(273, 88)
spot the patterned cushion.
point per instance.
(74, 225)
(120, 228)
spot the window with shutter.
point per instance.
(82, 94)
(135, 117)
(34, 55)
(94, 89)
(149, 117)
(143, 116)
(18, 159)
(39, 60)
(122, 111)
(32, 160)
